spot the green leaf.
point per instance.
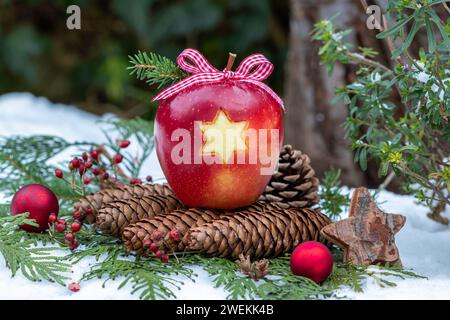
(363, 159)
(409, 39)
(431, 36)
(384, 167)
(392, 31)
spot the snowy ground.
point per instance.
(423, 244)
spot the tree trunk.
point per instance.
(313, 124)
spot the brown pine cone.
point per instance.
(269, 233)
(294, 184)
(115, 216)
(97, 200)
(137, 233)
(181, 220)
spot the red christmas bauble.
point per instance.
(203, 131)
(39, 201)
(312, 260)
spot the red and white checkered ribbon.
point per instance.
(252, 69)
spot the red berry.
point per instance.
(76, 214)
(174, 235)
(94, 154)
(75, 226)
(117, 158)
(149, 178)
(74, 287)
(69, 237)
(88, 210)
(52, 218)
(84, 156)
(165, 258)
(158, 254)
(147, 243)
(73, 245)
(60, 227)
(119, 185)
(82, 169)
(156, 235)
(61, 221)
(105, 176)
(88, 164)
(135, 181)
(112, 180)
(75, 163)
(87, 180)
(95, 171)
(124, 143)
(59, 174)
(153, 247)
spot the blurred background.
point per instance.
(87, 67)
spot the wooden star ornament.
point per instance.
(367, 235)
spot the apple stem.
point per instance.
(231, 58)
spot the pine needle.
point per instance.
(155, 69)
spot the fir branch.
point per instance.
(23, 254)
(155, 69)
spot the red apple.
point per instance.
(186, 126)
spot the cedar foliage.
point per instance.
(23, 253)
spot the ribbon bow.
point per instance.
(252, 69)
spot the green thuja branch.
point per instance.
(149, 278)
(23, 254)
(353, 276)
(333, 200)
(155, 69)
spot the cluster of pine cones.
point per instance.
(279, 221)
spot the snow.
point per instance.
(423, 244)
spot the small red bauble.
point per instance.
(39, 201)
(312, 260)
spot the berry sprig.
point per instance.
(99, 167)
(157, 241)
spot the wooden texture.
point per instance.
(367, 235)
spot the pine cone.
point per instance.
(255, 270)
(101, 198)
(294, 184)
(269, 233)
(115, 216)
(137, 233)
(181, 220)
